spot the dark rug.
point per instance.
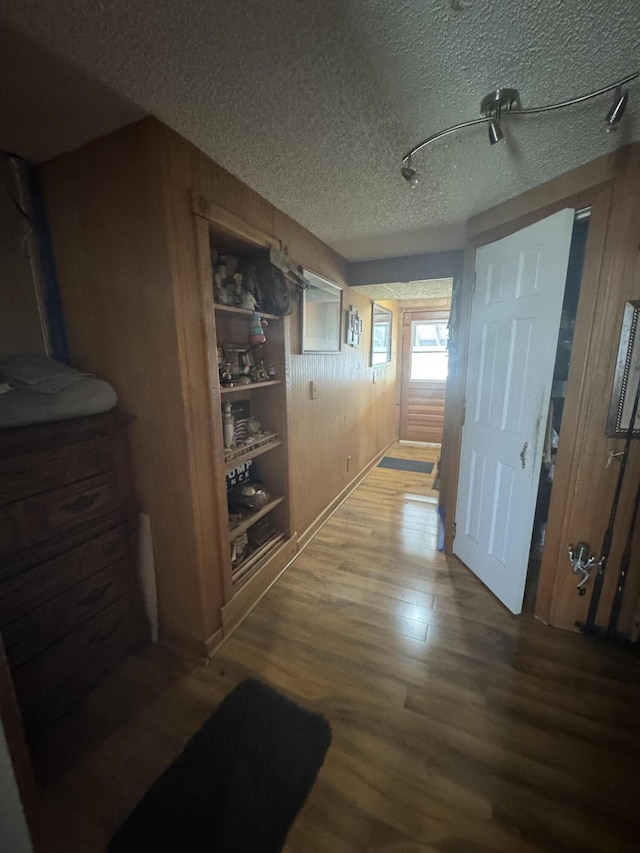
(239, 783)
(406, 465)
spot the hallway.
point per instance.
(456, 726)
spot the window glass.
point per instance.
(429, 356)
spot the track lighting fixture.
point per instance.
(409, 173)
(495, 131)
(506, 103)
(617, 109)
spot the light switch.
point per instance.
(313, 388)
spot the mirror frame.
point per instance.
(379, 310)
(325, 321)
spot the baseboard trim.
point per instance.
(236, 611)
(325, 515)
(188, 647)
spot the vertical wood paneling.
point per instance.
(352, 416)
(106, 213)
(137, 298)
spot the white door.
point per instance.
(514, 333)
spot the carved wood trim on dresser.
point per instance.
(70, 603)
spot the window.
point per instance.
(429, 356)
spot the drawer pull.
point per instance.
(82, 503)
(95, 595)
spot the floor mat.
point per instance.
(406, 465)
(238, 784)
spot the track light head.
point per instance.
(495, 131)
(410, 174)
(617, 109)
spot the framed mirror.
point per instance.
(321, 315)
(627, 375)
(381, 325)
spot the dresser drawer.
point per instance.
(48, 684)
(37, 519)
(33, 473)
(64, 508)
(35, 632)
(13, 535)
(29, 589)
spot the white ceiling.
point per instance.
(314, 102)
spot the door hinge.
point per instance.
(454, 529)
(464, 415)
(473, 284)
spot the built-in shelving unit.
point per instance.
(257, 554)
(254, 386)
(232, 458)
(233, 309)
(238, 527)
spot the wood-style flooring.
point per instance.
(457, 727)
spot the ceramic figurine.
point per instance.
(256, 332)
(249, 301)
(228, 426)
(226, 377)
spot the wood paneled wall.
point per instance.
(125, 242)
(106, 211)
(583, 485)
(351, 416)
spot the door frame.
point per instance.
(588, 186)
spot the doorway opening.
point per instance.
(556, 403)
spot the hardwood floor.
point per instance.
(457, 727)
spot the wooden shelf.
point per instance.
(256, 559)
(245, 312)
(250, 387)
(251, 453)
(239, 527)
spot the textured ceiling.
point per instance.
(314, 102)
(408, 289)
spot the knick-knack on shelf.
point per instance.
(228, 426)
(256, 332)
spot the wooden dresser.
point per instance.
(69, 599)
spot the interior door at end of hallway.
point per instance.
(515, 321)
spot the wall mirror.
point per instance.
(381, 323)
(321, 314)
(627, 375)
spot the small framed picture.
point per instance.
(238, 356)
